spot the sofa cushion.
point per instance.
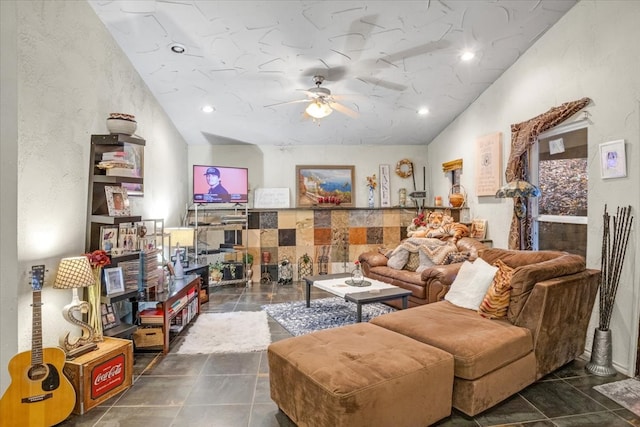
(398, 260)
(471, 284)
(496, 300)
(478, 345)
(455, 257)
(531, 267)
(413, 262)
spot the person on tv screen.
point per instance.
(216, 191)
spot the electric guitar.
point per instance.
(39, 394)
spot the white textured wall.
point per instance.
(591, 52)
(275, 167)
(8, 187)
(71, 75)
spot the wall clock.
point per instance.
(404, 168)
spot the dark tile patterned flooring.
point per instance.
(233, 390)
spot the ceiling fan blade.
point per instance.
(286, 102)
(382, 83)
(415, 51)
(344, 110)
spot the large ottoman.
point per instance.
(360, 375)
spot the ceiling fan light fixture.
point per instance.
(318, 109)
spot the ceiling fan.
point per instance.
(321, 102)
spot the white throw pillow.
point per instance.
(471, 284)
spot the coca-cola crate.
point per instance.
(101, 374)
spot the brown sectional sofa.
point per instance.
(551, 302)
(427, 286)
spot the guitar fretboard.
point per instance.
(36, 336)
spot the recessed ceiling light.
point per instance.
(423, 111)
(207, 109)
(467, 55)
(177, 48)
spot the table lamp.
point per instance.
(519, 190)
(74, 273)
(180, 237)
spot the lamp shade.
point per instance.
(181, 236)
(518, 188)
(318, 109)
(74, 272)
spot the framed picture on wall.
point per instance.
(324, 185)
(613, 159)
(385, 189)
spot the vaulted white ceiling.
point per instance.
(383, 60)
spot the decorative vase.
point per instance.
(402, 197)
(601, 354)
(357, 277)
(370, 197)
(177, 266)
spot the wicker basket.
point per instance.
(457, 196)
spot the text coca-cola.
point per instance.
(104, 376)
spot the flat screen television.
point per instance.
(220, 184)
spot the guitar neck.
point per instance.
(36, 336)
(37, 281)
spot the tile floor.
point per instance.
(233, 390)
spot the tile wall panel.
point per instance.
(339, 234)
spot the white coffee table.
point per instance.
(377, 292)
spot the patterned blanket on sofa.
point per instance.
(431, 251)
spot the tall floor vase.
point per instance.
(601, 354)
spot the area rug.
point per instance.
(234, 332)
(625, 393)
(324, 313)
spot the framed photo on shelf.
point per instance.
(108, 238)
(134, 154)
(117, 201)
(324, 185)
(109, 315)
(478, 229)
(613, 159)
(128, 238)
(113, 279)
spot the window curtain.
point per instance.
(523, 135)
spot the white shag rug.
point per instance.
(625, 393)
(234, 332)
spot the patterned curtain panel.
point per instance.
(523, 135)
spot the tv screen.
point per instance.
(220, 184)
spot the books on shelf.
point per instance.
(129, 173)
(151, 316)
(114, 155)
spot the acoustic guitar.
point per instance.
(39, 394)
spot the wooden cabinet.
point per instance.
(98, 375)
(179, 300)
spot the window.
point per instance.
(559, 168)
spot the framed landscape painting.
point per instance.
(324, 186)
